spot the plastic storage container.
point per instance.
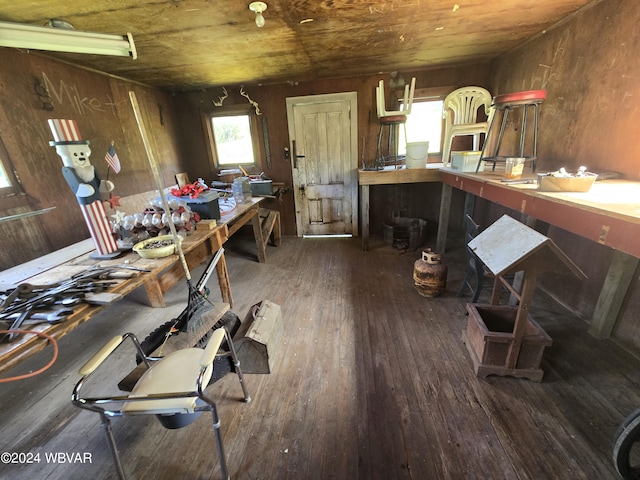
(466, 161)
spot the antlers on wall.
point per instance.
(253, 104)
(243, 93)
(221, 99)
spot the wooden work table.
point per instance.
(162, 275)
(608, 214)
(389, 176)
(61, 265)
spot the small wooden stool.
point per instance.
(392, 122)
(504, 103)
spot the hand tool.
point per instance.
(10, 337)
(57, 315)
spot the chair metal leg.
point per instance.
(236, 363)
(221, 455)
(106, 426)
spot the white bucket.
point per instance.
(417, 153)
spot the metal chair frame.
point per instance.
(98, 404)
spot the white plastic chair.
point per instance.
(405, 106)
(460, 112)
(172, 388)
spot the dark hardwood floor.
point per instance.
(371, 381)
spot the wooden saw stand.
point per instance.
(502, 339)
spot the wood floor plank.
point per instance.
(371, 381)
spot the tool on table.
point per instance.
(24, 301)
(519, 181)
(124, 266)
(52, 316)
(10, 337)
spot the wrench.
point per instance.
(22, 316)
(52, 316)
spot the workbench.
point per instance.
(389, 176)
(608, 214)
(60, 265)
(163, 273)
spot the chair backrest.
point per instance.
(461, 106)
(407, 100)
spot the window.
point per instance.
(4, 178)
(9, 184)
(233, 137)
(424, 123)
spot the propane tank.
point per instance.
(429, 274)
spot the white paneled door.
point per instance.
(324, 146)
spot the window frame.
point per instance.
(232, 110)
(15, 187)
(430, 94)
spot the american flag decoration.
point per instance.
(112, 158)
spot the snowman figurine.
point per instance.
(85, 183)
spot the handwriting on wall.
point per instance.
(64, 95)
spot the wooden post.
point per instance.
(616, 284)
(364, 215)
(520, 325)
(443, 220)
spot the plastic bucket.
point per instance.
(417, 153)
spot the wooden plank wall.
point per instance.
(36, 89)
(588, 67)
(272, 101)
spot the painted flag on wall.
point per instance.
(112, 159)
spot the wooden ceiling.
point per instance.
(195, 44)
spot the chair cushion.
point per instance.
(528, 97)
(392, 119)
(175, 373)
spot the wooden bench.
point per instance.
(265, 223)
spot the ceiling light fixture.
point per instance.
(258, 7)
(56, 39)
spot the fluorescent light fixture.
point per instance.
(19, 35)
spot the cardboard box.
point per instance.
(466, 161)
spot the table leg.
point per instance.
(223, 281)
(260, 243)
(154, 292)
(443, 220)
(364, 215)
(616, 285)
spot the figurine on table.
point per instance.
(85, 183)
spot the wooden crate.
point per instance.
(489, 336)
